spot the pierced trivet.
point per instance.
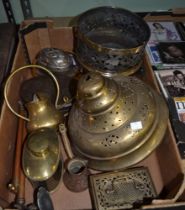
(120, 190)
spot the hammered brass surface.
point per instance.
(116, 122)
(42, 113)
(41, 154)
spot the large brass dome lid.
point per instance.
(41, 154)
(116, 122)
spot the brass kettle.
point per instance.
(42, 113)
(116, 122)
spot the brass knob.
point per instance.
(95, 94)
(41, 154)
(38, 147)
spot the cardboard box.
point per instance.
(164, 163)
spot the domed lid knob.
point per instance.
(95, 93)
(90, 85)
(55, 59)
(37, 146)
(41, 154)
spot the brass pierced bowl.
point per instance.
(116, 123)
(111, 41)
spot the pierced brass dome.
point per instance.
(116, 122)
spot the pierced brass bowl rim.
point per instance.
(115, 51)
(107, 73)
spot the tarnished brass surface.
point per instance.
(64, 67)
(41, 154)
(107, 73)
(57, 60)
(52, 183)
(42, 113)
(109, 50)
(121, 190)
(117, 122)
(110, 40)
(23, 68)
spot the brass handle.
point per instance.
(24, 67)
(65, 139)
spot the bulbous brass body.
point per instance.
(116, 122)
(41, 154)
(42, 113)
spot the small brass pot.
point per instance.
(41, 159)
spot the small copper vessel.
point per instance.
(76, 176)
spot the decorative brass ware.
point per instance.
(42, 113)
(41, 154)
(117, 122)
(64, 66)
(52, 183)
(121, 190)
(57, 61)
(111, 41)
(76, 176)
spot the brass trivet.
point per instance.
(120, 190)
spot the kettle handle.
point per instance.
(22, 68)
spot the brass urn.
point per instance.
(116, 122)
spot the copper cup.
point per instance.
(76, 176)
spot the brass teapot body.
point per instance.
(116, 122)
(42, 113)
(41, 158)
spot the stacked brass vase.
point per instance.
(41, 156)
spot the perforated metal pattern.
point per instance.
(120, 190)
(111, 40)
(116, 122)
(107, 64)
(128, 108)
